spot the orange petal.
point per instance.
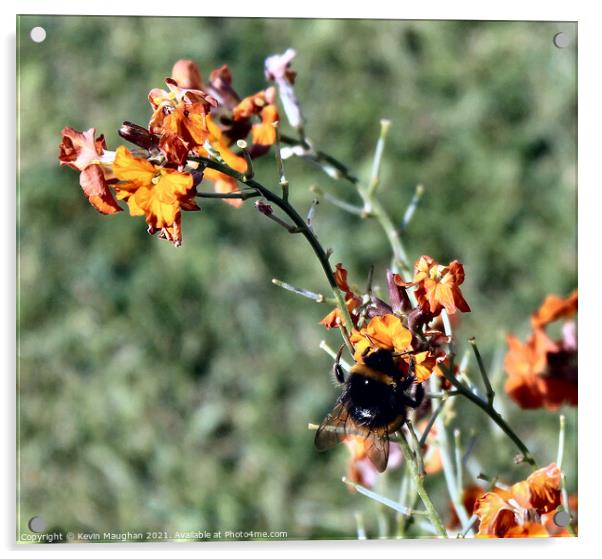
(126, 167)
(540, 491)
(554, 308)
(186, 73)
(423, 366)
(495, 514)
(225, 184)
(340, 276)
(527, 530)
(174, 183)
(264, 134)
(524, 392)
(173, 147)
(94, 185)
(387, 332)
(79, 149)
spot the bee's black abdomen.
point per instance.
(372, 403)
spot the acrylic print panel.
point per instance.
(411, 187)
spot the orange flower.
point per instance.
(382, 332)
(334, 318)
(80, 151)
(540, 491)
(261, 104)
(155, 192)
(518, 512)
(182, 113)
(542, 372)
(554, 308)
(437, 286)
(221, 182)
(352, 301)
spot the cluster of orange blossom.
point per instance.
(414, 334)
(542, 372)
(191, 118)
(526, 509)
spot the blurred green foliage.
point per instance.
(170, 389)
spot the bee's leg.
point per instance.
(407, 382)
(410, 378)
(337, 369)
(417, 399)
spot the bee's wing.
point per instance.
(377, 448)
(332, 430)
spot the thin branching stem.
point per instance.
(486, 406)
(341, 204)
(311, 214)
(317, 297)
(559, 460)
(488, 388)
(411, 209)
(282, 180)
(384, 500)
(250, 173)
(324, 346)
(318, 156)
(372, 206)
(459, 462)
(242, 195)
(410, 460)
(298, 221)
(417, 449)
(361, 529)
(561, 434)
(378, 157)
(492, 413)
(447, 462)
(433, 418)
(469, 526)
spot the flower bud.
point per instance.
(138, 135)
(398, 297)
(187, 74)
(263, 207)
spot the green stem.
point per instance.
(279, 163)
(559, 461)
(492, 413)
(483, 371)
(449, 474)
(459, 465)
(317, 297)
(319, 156)
(243, 195)
(302, 227)
(372, 206)
(410, 460)
(400, 257)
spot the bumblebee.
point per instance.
(373, 404)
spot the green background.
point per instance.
(170, 389)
